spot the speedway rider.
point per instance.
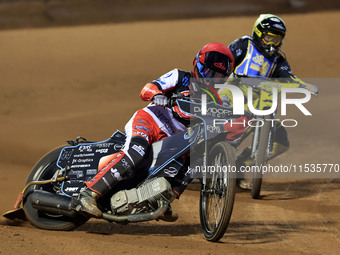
(154, 123)
(261, 56)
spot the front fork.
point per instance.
(256, 136)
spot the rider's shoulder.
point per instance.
(246, 38)
(240, 44)
(175, 77)
(282, 56)
(241, 40)
(171, 74)
(184, 77)
(177, 72)
(183, 72)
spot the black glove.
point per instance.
(160, 100)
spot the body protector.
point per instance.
(255, 64)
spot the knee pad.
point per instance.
(281, 136)
(119, 167)
(137, 149)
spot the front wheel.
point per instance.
(260, 159)
(217, 195)
(44, 170)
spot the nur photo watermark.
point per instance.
(253, 114)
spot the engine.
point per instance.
(144, 198)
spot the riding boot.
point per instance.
(243, 159)
(118, 168)
(281, 141)
(278, 149)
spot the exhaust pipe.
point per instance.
(52, 203)
(63, 205)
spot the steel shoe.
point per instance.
(87, 203)
(169, 215)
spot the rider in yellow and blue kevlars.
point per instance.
(260, 55)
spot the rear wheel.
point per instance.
(44, 170)
(217, 196)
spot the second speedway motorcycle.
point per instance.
(263, 127)
(55, 181)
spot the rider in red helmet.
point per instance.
(154, 123)
(214, 60)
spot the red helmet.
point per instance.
(214, 60)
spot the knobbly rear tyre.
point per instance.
(44, 170)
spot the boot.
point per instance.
(278, 149)
(243, 159)
(87, 203)
(244, 184)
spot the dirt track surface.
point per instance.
(57, 84)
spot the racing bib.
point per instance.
(255, 64)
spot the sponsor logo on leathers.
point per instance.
(172, 171)
(139, 149)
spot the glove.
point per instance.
(160, 100)
(312, 88)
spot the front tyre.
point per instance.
(44, 170)
(260, 159)
(217, 196)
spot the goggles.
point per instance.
(208, 73)
(272, 39)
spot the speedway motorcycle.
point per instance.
(48, 199)
(262, 127)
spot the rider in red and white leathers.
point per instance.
(153, 123)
